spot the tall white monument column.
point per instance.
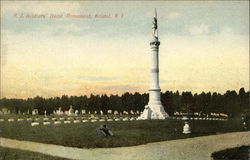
(154, 109)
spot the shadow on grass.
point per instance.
(15, 154)
(239, 153)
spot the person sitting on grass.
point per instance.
(103, 131)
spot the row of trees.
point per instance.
(231, 102)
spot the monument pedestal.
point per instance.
(153, 112)
(154, 109)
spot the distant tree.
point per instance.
(49, 105)
(176, 102)
(115, 102)
(139, 102)
(128, 102)
(64, 103)
(168, 101)
(187, 101)
(39, 104)
(243, 100)
(230, 103)
(104, 102)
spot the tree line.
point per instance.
(231, 102)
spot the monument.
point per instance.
(71, 111)
(154, 109)
(35, 112)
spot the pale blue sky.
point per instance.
(174, 18)
(204, 46)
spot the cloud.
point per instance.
(66, 30)
(121, 88)
(98, 79)
(201, 29)
(173, 15)
(226, 30)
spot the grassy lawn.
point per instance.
(239, 153)
(127, 133)
(14, 154)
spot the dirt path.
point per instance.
(199, 148)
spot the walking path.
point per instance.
(199, 148)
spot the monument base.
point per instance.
(153, 112)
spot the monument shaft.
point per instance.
(155, 91)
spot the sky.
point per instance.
(47, 51)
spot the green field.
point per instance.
(14, 154)
(127, 133)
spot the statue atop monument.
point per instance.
(154, 26)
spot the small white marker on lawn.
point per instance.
(34, 124)
(70, 118)
(76, 121)
(57, 122)
(67, 122)
(19, 119)
(132, 118)
(11, 120)
(46, 123)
